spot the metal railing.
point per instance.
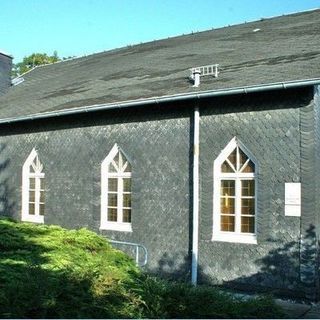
(137, 248)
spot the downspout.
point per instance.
(195, 204)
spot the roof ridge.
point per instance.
(169, 37)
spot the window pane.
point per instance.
(32, 166)
(112, 214)
(247, 188)
(247, 206)
(116, 159)
(126, 184)
(113, 184)
(127, 200)
(227, 205)
(32, 196)
(31, 208)
(225, 167)
(122, 160)
(249, 167)
(242, 158)
(227, 188)
(126, 215)
(32, 183)
(41, 209)
(128, 168)
(112, 168)
(233, 158)
(41, 196)
(227, 223)
(112, 199)
(247, 224)
(42, 184)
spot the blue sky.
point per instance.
(79, 27)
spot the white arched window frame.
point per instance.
(116, 191)
(235, 195)
(33, 189)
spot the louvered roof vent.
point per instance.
(208, 70)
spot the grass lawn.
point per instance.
(50, 272)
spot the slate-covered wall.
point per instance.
(72, 150)
(269, 125)
(5, 72)
(158, 140)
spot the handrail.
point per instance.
(137, 246)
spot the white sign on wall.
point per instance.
(292, 202)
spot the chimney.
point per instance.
(5, 72)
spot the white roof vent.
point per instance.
(17, 81)
(197, 72)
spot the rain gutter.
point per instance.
(165, 99)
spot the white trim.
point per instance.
(105, 175)
(26, 175)
(235, 236)
(33, 218)
(116, 226)
(195, 205)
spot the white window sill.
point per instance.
(33, 218)
(116, 226)
(235, 237)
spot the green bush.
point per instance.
(181, 300)
(50, 272)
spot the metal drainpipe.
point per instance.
(195, 205)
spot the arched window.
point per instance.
(235, 194)
(33, 189)
(116, 191)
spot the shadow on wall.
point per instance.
(282, 271)
(7, 205)
(177, 267)
(170, 269)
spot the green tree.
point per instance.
(35, 59)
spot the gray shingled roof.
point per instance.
(286, 48)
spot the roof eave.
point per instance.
(165, 99)
(6, 54)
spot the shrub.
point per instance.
(50, 272)
(181, 300)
